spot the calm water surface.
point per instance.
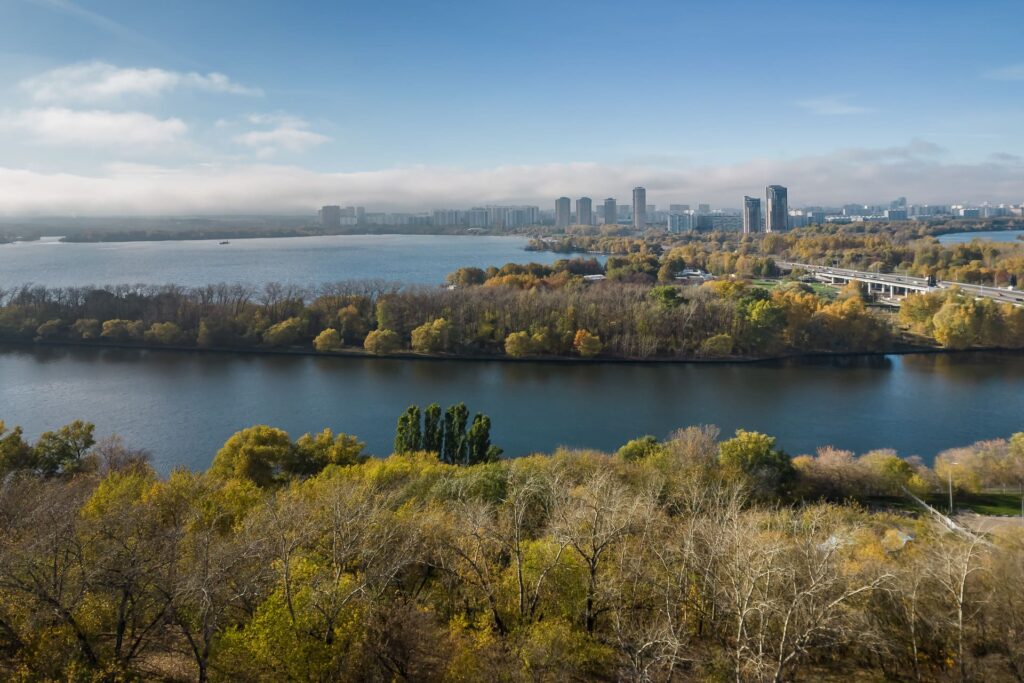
(182, 406)
(988, 235)
(419, 259)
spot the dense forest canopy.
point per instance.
(694, 558)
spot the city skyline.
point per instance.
(120, 108)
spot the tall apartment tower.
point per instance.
(584, 211)
(751, 215)
(776, 209)
(563, 210)
(611, 212)
(330, 216)
(639, 208)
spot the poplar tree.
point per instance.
(433, 434)
(407, 435)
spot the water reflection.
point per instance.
(916, 403)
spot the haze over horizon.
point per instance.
(114, 107)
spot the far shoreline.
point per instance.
(501, 358)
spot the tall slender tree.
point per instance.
(433, 430)
(455, 418)
(407, 435)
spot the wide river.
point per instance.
(183, 405)
(419, 259)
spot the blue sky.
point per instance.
(117, 106)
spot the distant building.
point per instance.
(611, 212)
(477, 217)
(584, 211)
(678, 208)
(776, 209)
(563, 211)
(896, 214)
(751, 215)
(443, 217)
(330, 216)
(703, 209)
(681, 221)
(639, 208)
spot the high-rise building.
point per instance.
(751, 215)
(681, 221)
(703, 209)
(776, 209)
(611, 212)
(330, 216)
(639, 208)
(563, 211)
(584, 211)
(678, 208)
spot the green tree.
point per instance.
(433, 429)
(640, 448)
(956, 325)
(478, 442)
(408, 438)
(15, 452)
(315, 452)
(285, 333)
(380, 342)
(519, 344)
(122, 330)
(328, 340)
(64, 451)
(259, 454)
(717, 346)
(454, 450)
(352, 325)
(431, 337)
(165, 333)
(753, 458)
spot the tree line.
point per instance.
(639, 310)
(690, 558)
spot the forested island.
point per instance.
(699, 557)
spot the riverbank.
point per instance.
(902, 350)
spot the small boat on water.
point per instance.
(225, 242)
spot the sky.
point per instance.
(255, 106)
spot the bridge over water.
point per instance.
(894, 286)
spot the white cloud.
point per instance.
(288, 134)
(916, 171)
(1013, 72)
(96, 128)
(102, 82)
(832, 105)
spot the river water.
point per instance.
(986, 236)
(183, 405)
(419, 259)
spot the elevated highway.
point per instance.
(895, 286)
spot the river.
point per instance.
(985, 236)
(183, 405)
(415, 259)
